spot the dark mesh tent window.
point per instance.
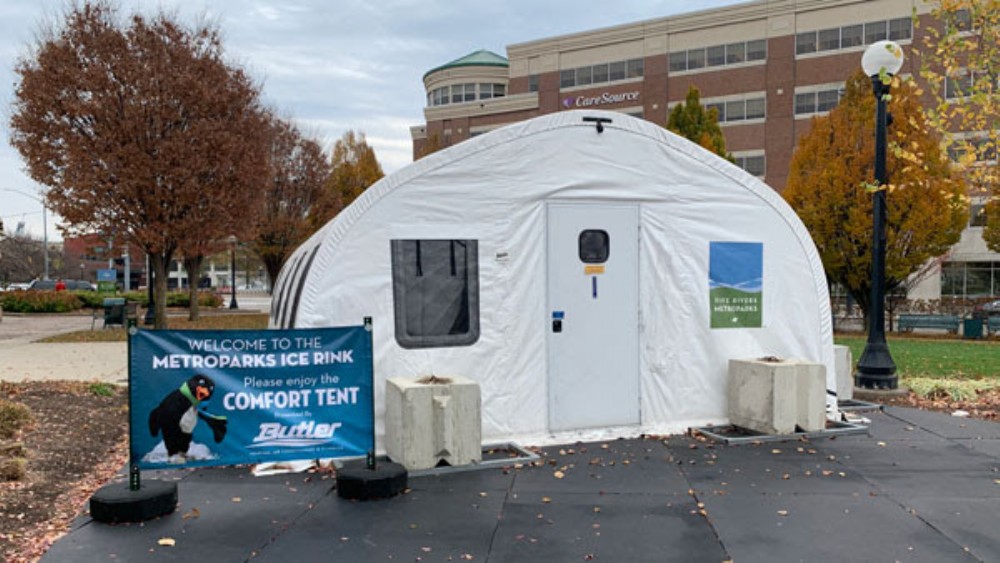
(595, 246)
(435, 286)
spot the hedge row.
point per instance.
(66, 301)
(40, 301)
(178, 298)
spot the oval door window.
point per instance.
(595, 245)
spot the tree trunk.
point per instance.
(193, 268)
(272, 263)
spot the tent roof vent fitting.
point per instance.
(600, 121)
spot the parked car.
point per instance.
(988, 309)
(50, 285)
(18, 286)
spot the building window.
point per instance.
(875, 31)
(960, 86)
(732, 111)
(696, 59)
(819, 101)
(805, 103)
(616, 71)
(736, 53)
(805, 43)
(461, 93)
(983, 151)
(678, 61)
(852, 36)
(753, 164)
(635, 68)
(829, 39)
(567, 78)
(899, 29)
(736, 111)
(960, 20)
(970, 279)
(601, 73)
(533, 83)
(757, 50)
(435, 287)
(827, 100)
(718, 55)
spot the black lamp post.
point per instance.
(150, 317)
(876, 370)
(232, 269)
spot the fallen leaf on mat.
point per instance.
(237, 499)
(782, 513)
(193, 513)
(558, 474)
(169, 542)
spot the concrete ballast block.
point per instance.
(773, 397)
(433, 419)
(843, 364)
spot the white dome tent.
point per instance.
(594, 283)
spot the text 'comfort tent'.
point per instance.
(594, 283)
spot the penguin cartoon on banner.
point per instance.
(176, 418)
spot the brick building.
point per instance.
(768, 66)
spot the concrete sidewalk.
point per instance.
(24, 359)
(922, 487)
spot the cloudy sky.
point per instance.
(329, 65)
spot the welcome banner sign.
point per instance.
(735, 284)
(230, 397)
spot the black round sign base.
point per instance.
(116, 503)
(356, 482)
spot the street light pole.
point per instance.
(876, 369)
(150, 317)
(232, 268)
(45, 227)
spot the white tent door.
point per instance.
(593, 297)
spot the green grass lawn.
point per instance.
(255, 321)
(928, 366)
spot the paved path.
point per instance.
(922, 487)
(22, 358)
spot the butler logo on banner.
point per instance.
(230, 397)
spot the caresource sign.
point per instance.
(600, 100)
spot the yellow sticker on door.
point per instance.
(593, 269)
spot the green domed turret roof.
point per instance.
(481, 57)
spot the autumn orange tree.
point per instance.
(960, 65)
(354, 167)
(297, 170)
(137, 126)
(831, 181)
(693, 122)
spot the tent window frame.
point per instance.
(421, 270)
